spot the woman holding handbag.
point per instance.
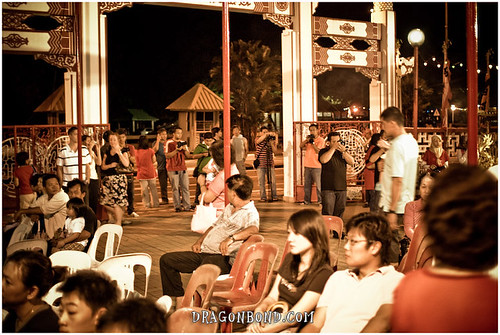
(302, 274)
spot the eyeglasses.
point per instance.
(354, 242)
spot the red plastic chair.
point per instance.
(202, 280)
(225, 284)
(247, 292)
(181, 321)
(334, 223)
(419, 253)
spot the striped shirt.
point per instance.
(68, 159)
(264, 153)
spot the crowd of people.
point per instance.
(456, 207)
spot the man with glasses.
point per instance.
(352, 297)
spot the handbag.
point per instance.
(256, 162)
(203, 217)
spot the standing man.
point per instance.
(128, 149)
(177, 152)
(312, 167)
(240, 145)
(217, 133)
(159, 147)
(266, 147)
(67, 160)
(201, 153)
(400, 173)
(334, 159)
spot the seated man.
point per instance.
(137, 315)
(220, 243)
(78, 189)
(52, 205)
(352, 297)
(87, 295)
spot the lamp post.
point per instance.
(416, 38)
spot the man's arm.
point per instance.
(87, 173)
(156, 145)
(172, 153)
(60, 172)
(197, 245)
(397, 183)
(325, 157)
(28, 211)
(246, 149)
(318, 323)
(84, 235)
(381, 322)
(348, 158)
(261, 138)
(239, 236)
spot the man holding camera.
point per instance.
(334, 159)
(266, 146)
(312, 167)
(177, 152)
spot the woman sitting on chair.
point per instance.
(303, 273)
(27, 277)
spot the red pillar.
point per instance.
(79, 86)
(226, 92)
(471, 27)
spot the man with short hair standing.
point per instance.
(400, 173)
(201, 153)
(177, 152)
(266, 146)
(312, 167)
(217, 133)
(159, 147)
(334, 159)
(67, 160)
(240, 145)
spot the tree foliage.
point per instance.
(255, 84)
(424, 97)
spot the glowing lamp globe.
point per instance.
(416, 37)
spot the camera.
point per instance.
(181, 144)
(311, 139)
(271, 138)
(342, 142)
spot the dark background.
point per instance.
(156, 53)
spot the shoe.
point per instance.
(163, 203)
(190, 209)
(164, 200)
(134, 214)
(193, 207)
(275, 199)
(126, 222)
(263, 200)
(178, 209)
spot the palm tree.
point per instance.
(255, 84)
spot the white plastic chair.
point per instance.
(72, 259)
(21, 231)
(113, 232)
(52, 298)
(114, 267)
(28, 245)
(165, 303)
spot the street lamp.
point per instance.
(416, 38)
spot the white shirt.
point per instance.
(54, 211)
(75, 225)
(68, 159)
(401, 161)
(351, 302)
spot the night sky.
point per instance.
(156, 53)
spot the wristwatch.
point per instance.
(232, 239)
(391, 211)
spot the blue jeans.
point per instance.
(333, 202)
(180, 179)
(312, 175)
(271, 177)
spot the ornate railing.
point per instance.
(42, 143)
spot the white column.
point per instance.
(289, 109)
(94, 71)
(388, 47)
(375, 100)
(304, 19)
(70, 97)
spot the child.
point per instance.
(72, 227)
(22, 175)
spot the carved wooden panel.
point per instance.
(346, 58)
(348, 28)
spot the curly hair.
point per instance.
(461, 215)
(375, 228)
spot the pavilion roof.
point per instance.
(54, 102)
(198, 98)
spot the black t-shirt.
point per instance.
(45, 321)
(333, 173)
(110, 159)
(315, 282)
(90, 220)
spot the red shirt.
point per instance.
(429, 302)
(144, 163)
(178, 162)
(24, 173)
(431, 159)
